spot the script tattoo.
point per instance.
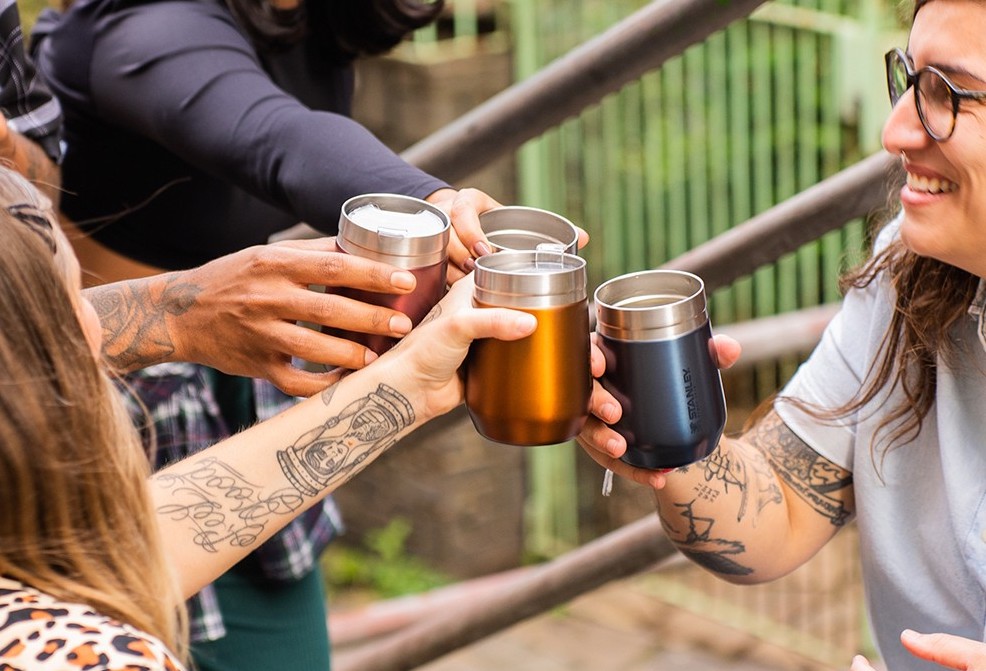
(335, 451)
(812, 477)
(221, 506)
(135, 329)
(698, 544)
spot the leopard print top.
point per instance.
(38, 632)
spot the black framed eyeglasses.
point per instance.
(936, 98)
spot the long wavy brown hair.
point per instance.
(76, 520)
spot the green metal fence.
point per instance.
(755, 114)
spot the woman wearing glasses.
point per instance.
(886, 422)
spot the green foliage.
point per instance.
(383, 567)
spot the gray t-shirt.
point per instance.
(919, 507)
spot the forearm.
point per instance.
(220, 504)
(758, 507)
(138, 318)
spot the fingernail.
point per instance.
(609, 412)
(526, 322)
(470, 265)
(400, 324)
(613, 447)
(909, 634)
(369, 357)
(481, 249)
(662, 471)
(402, 279)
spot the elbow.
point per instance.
(736, 568)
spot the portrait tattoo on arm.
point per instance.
(811, 476)
(222, 507)
(135, 329)
(334, 451)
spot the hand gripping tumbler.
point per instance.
(407, 233)
(661, 366)
(532, 391)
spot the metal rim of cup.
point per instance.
(530, 279)
(528, 228)
(413, 251)
(650, 305)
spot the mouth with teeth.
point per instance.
(930, 184)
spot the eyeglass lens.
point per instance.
(932, 97)
(935, 103)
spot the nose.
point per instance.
(903, 130)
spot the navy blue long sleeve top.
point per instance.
(184, 142)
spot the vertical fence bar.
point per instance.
(654, 171)
(717, 153)
(697, 136)
(762, 94)
(672, 92)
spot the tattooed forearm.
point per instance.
(221, 506)
(134, 318)
(224, 508)
(811, 476)
(333, 452)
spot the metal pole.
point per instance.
(854, 192)
(582, 77)
(619, 554)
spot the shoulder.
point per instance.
(39, 632)
(147, 24)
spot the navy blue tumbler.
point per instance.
(661, 366)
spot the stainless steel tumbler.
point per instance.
(516, 227)
(407, 233)
(661, 366)
(533, 391)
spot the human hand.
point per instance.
(947, 650)
(606, 446)
(467, 240)
(243, 311)
(860, 663)
(434, 351)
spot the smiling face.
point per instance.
(944, 199)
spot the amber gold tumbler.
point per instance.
(533, 391)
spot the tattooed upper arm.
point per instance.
(824, 486)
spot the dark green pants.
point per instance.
(270, 626)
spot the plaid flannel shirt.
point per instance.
(25, 100)
(186, 419)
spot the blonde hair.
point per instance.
(76, 520)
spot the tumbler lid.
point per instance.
(515, 227)
(400, 230)
(650, 305)
(529, 279)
